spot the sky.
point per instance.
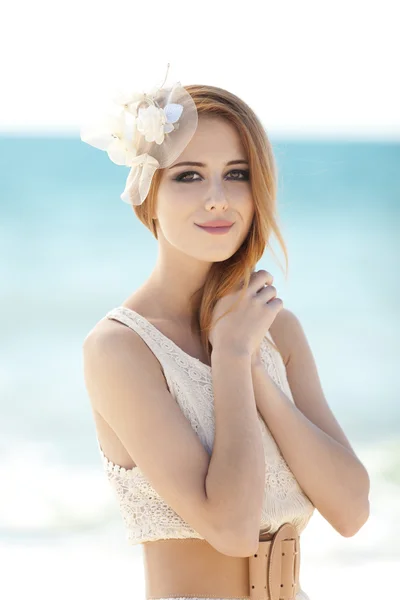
(316, 68)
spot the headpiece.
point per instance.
(149, 131)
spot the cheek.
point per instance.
(240, 192)
(249, 210)
(175, 217)
(243, 201)
(178, 197)
(185, 192)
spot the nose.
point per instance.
(217, 195)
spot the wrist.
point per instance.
(231, 352)
(256, 359)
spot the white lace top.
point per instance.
(146, 516)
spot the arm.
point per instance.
(126, 386)
(236, 474)
(308, 435)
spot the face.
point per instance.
(190, 195)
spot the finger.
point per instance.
(261, 279)
(267, 293)
(264, 275)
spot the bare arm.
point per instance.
(219, 496)
(309, 435)
(236, 475)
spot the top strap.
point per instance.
(150, 335)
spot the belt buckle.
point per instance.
(274, 569)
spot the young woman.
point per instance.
(210, 417)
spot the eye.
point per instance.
(182, 177)
(244, 173)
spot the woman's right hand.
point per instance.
(244, 327)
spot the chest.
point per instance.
(187, 340)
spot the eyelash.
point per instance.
(182, 175)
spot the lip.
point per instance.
(216, 223)
(216, 230)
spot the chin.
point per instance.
(218, 256)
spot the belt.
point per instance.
(192, 567)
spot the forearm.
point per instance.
(236, 475)
(331, 476)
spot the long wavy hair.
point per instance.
(224, 276)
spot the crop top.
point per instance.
(145, 514)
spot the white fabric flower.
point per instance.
(129, 102)
(113, 134)
(155, 122)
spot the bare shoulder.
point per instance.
(112, 335)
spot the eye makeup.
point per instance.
(180, 178)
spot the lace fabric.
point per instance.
(145, 514)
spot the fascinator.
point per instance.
(147, 131)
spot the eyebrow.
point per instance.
(199, 164)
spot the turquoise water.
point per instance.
(71, 250)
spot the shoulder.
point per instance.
(104, 333)
(284, 331)
(111, 342)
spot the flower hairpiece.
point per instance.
(148, 132)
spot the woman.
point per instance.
(210, 417)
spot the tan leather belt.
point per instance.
(193, 568)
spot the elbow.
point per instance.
(354, 526)
(233, 542)
(248, 546)
(236, 534)
(356, 518)
(237, 546)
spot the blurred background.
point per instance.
(322, 78)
